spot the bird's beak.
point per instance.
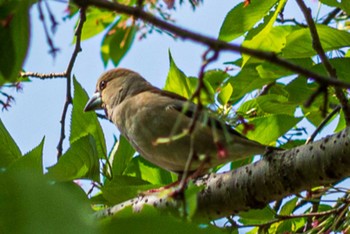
(95, 102)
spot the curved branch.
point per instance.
(68, 75)
(316, 44)
(213, 43)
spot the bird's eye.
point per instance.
(103, 85)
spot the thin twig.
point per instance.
(53, 50)
(314, 95)
(196, 94)
(316, 44)
(323, 123)
(213, 43)
(43, 76)
(54, 23)
(68, 74)
(200, 86)
(286, 217)
(331, 16)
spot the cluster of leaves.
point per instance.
(54, 196)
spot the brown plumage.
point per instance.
(156, 123)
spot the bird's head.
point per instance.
(114, 86)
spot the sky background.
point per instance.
(37, 110)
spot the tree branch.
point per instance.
(43, 76)
(316, 44)
(68, 75)
(278, 175)
(213, 43)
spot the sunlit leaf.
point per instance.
(299, 42)
(240, 19)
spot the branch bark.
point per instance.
(278, 175)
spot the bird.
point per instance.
(157, 124)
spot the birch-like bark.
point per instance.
(276, 176)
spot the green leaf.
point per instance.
(268, 104)
(299, 42)
(121, 154)
(345, 5)
(141, 168)
(341, 65)
(267, 39)
(225, 94)
(177, 81)
(215, 78)
(241, 19)
(31, 204)
(84, 123)
(240, 163)
(341, 123)
(245, 81)
(79, 162)
(314, 112)
(254, 216)
(289, 206)
(269, 128)
(97, 20)
(191, 195)
(284, 226)
(14, 37)
(120, 42)
(122, 188)
(299, 90)
(149, 221)
(9, 151)
(268, 70)
(32, 161)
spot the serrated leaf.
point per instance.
(177, 81)
(268, 39)
(79, 162)
(9, 151)
(31, 161)
(241, 19)
(299, 42)
(84, 123)
(122, 155)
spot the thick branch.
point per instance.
(278, 175)
(213, 43)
